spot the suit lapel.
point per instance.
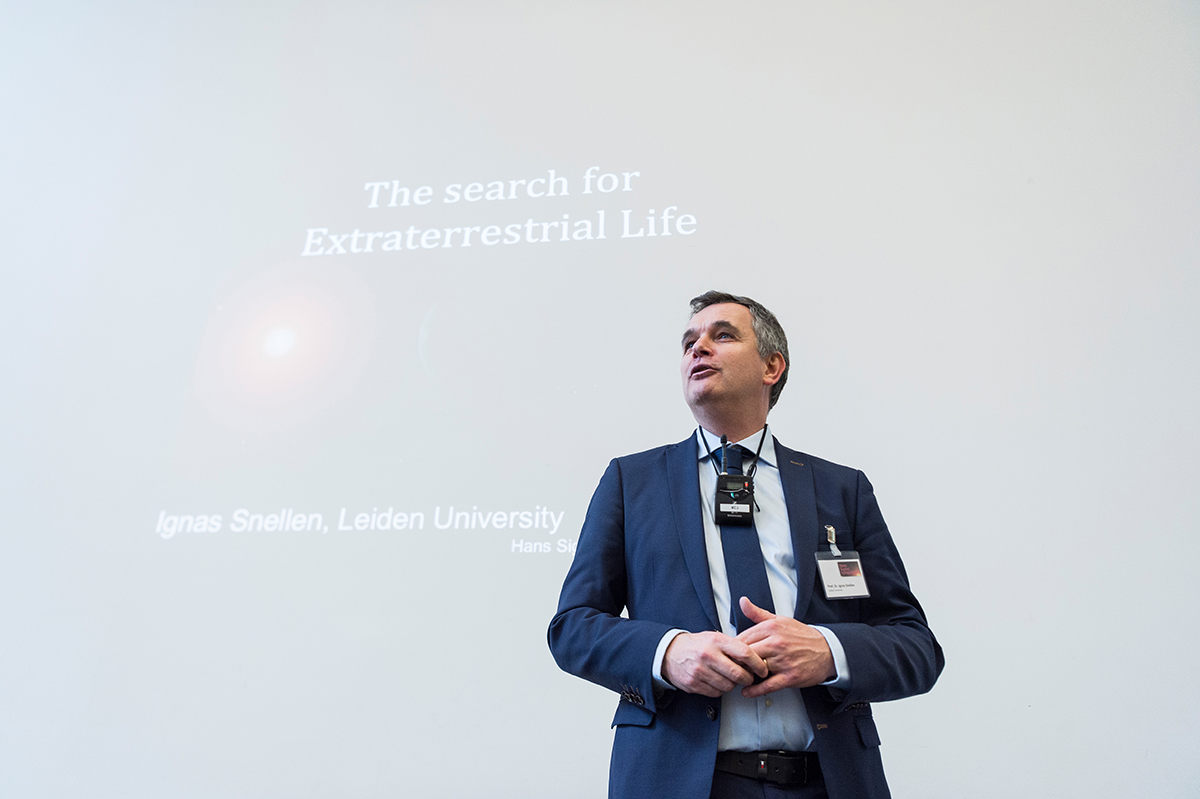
(800, 495)
(683, 482)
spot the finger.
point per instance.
(706, 689)
(733, 661)
(777, 680)
(767, 686)
(715, 685)
(753, 612)
(754, 635)
(746, 657)
(716, 679)
(733, 671)
(706, 679)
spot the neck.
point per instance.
(733, 429)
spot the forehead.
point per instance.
(724, 313)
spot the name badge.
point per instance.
(842, 576)
(841, 571)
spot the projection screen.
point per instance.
(322, 321)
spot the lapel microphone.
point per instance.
(734, 494)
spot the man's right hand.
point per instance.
(710, 663)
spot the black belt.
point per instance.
(778, 767)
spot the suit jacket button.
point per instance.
(711, 712)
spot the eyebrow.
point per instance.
(719, 324)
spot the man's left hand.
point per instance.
(797, 655)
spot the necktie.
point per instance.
(743, 557)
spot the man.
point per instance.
(720, 695)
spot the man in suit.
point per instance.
(739, 676)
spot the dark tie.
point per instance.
(743, 557)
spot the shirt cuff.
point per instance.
(660, 654)
(842, 678)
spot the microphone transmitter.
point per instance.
(735, 493)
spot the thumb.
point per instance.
(753, 612)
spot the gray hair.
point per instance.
(767, 331)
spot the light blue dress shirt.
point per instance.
(779, 719)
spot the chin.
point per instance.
(698, 399)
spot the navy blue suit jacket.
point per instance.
(642, 550)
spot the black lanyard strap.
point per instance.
(753, 466)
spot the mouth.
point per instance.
(701, 370)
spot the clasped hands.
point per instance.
(786, 652)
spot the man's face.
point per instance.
(721, 363)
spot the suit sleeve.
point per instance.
(890, 649)
(588, 636)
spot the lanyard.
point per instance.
(753, 466)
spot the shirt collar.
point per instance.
(750, 442)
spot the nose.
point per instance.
(701, 346)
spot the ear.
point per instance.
(773, 368)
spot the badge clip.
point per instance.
(831, 537)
